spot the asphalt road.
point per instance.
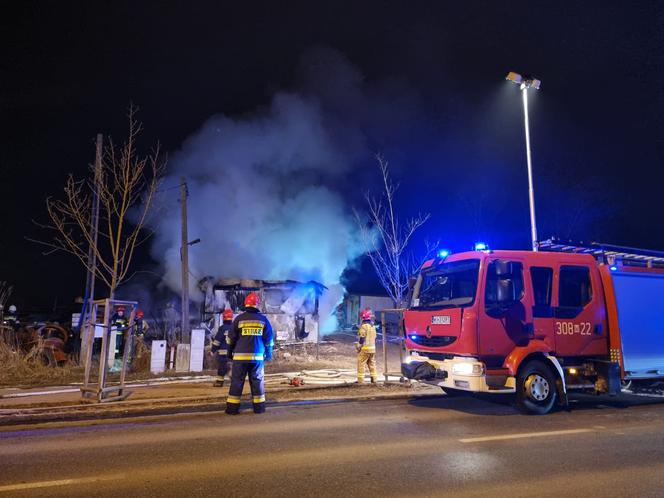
(433, 447)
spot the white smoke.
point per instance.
(261, 197)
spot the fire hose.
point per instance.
(313, 377)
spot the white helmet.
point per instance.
(12, 309)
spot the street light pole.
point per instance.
(524, 84)
(531, 190)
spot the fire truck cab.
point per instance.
(536, 324)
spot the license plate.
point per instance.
(440, 320)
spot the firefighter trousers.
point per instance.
(366, 358)
(222, 366)
(254, 369)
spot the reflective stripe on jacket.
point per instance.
(367, 337)
(219, 343)
(250, 337)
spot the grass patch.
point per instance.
(20, 367)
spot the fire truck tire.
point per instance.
(536, 388)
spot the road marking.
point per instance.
(50, 484)
(523, 435)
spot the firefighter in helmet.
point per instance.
(120, 321)
(220, 347)
(366, 347)
(140, 324)
(249, 345)
(11, 318)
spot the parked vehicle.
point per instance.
(538, 324)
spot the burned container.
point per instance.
(291, 306)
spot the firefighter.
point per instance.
(120, 321)
(249, 345)
(11, 318)
(141, 325)
(139, 337)
(366, 347)
(220, 345)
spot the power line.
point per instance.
(168, 188)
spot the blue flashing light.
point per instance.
(481, 246)
(613, 267)
(443, 253)
(413, 337)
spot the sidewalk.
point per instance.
(191, 394)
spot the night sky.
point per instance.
(442, 113)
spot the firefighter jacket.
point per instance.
(11, 321)
(367, 337)
(141, 327)
(220, 341)
(250, 338)
(119, 321)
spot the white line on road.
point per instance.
(50, 484)
(523, 435)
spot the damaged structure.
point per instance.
(291, 306)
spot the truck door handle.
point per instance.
(598, 329)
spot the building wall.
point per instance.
(348, 313)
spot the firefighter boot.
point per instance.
(373, 380)
(219, 382)
(232, 405)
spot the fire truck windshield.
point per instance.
(449, 285)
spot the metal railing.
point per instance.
(607, 253)
(400, 335)
(99, 391)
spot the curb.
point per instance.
(221, 397)
(10, 423)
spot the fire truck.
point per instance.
(537, 325)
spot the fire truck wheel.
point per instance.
(535, 388)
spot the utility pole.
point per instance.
(84, 322)
(184, 257)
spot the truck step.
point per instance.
(498, 390)
(497, 371)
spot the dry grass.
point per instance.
(27, 368)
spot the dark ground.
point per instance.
(433, 447)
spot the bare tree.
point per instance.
(126, 186)
(386, 238)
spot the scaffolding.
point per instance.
(98, 391)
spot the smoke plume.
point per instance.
(264, 190)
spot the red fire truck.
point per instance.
(538, 324)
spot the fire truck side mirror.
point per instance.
(505, 292)
(503, 268)
(502, 298)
